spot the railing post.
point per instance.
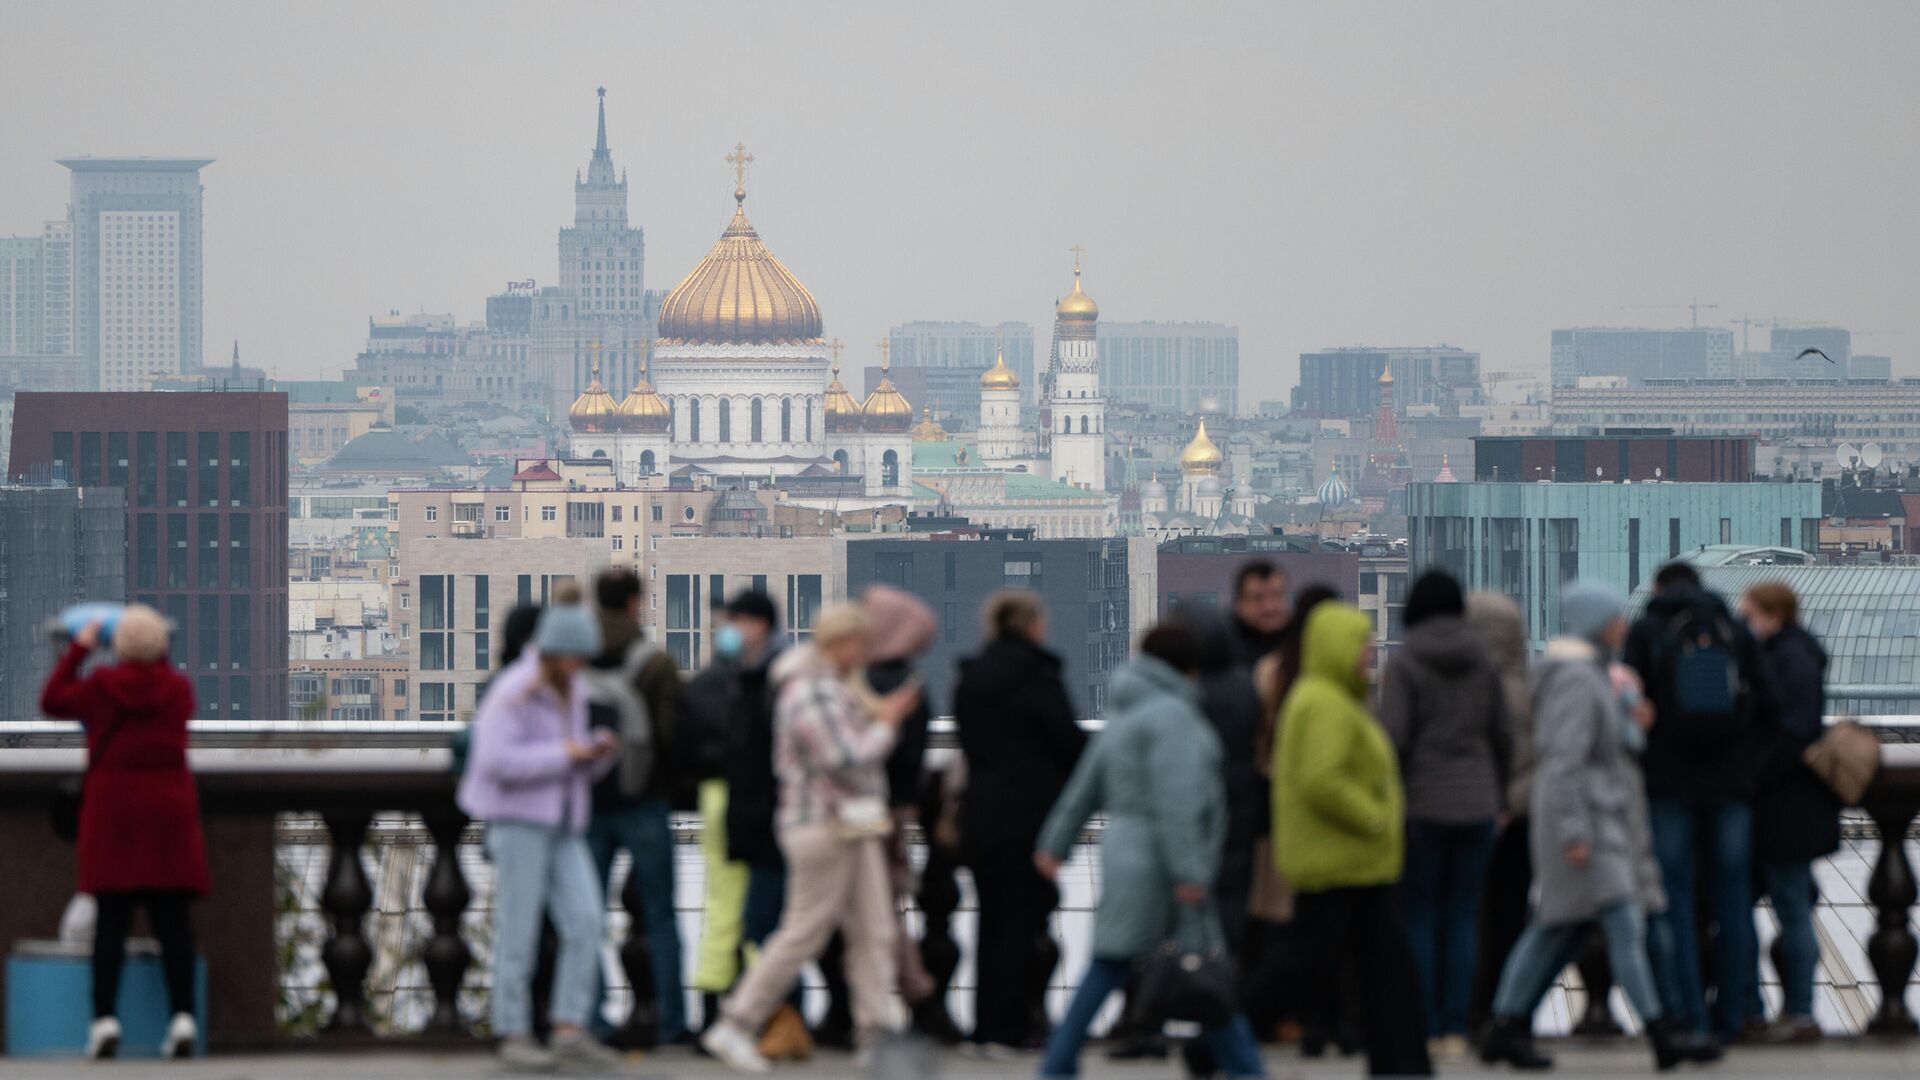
(1892, 948)
(346, 899)
(446, 898)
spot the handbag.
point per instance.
(1845, 758)
(1189, 977)
(69, 796)
(863, 817)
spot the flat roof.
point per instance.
(136, 164)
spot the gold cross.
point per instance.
(739, 159)
(646, 348)
(886, 353)
(594, 348)
(834, 347)
(1077, 251)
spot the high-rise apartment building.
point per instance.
(1345, 382)
(1186, 366)
(58, 546)
(205, 477)
(1637, 354)
(136, 266)
(21, 291)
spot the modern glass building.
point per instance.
(1527, 539)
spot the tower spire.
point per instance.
(600, 151)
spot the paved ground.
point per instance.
(1834, 1060)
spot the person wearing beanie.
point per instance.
(1444, 706)
(139, 841)
(1592, 850)
(529, 778)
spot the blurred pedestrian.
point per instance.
(1260, 611)
(1021, 742)
(1155, 772)
(530, 778)
(1509, 881)
(1799, 819)
(1338, 820)
(140, 843)
(1444, 706)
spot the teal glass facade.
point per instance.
(1526, 540)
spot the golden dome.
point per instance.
(739, 295)
(1078, 306)
(593, 411)
(644, 411)
(843, 413)
(1201, 456)
(1386, 377)
(999, 376)
(886, 409)
(929, 429)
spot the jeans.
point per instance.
(1235, 1053)
(1544, 951)
(1790, 886)
(167, 911)
(542, 868)
(1725, 827)
(1440, 890)
(766, 895)
(645, 829)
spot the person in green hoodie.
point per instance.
(1338, 833)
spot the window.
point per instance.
(89, 457)
(208, 490)
(436, 602)
(146, 547)
(209, 657)
(890, 469)
(207, 689)
(239, 632)
(659, 512)
(949, 619)
(434, 701)
(726, 419)
(393, 511)
(753, 420)
(482, 652)
(893, 568)
(503, 513)
(176, 551)
(683, 619)
(432, 513)
(117, 459)
(1726, 530)
(433, 652)
(176, 468)
(523, 590)
(239, 468)
(209, 551)
(482, 606)
(1673, 538)
(549, 513)
(616, 511)
(1021, 572)
(786, 419)
(618, 543)
(803, 605)
(240, 551)
(146, 469)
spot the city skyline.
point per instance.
(1430, 209)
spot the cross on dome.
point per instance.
(739, 159)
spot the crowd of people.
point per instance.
(1397, 857)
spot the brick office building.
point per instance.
(205, 476)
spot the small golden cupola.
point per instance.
(1201, 455)
(886, 409)
(999, 376)
(843, 412)
(1077, 313)
(644, 411)
(929, 429)
(593, 412)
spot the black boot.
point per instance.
(1667, 1044)
(1510, 1039)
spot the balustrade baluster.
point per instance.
(347, 898)
(938, 899)
(1892, 948)
(446, 898)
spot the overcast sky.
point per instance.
(1318, 175)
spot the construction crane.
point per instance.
(1696, 308)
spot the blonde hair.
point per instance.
(140, 634)
(837, 622)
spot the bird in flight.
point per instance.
(1811, 351)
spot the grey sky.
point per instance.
(1324, 175)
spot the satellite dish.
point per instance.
(1847, 455)
(1871, 455)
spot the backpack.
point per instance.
(704, 723)
(1705, 700)
(614, 704)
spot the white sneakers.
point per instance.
(103, 1038)
(523, 1055)
(734, 1048)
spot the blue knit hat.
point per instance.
(1587, 608)
(568, 630)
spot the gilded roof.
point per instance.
(1201, 455)
(843, 413)
(740, 295)
(999, 376)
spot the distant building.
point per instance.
(358, 691)
(36, 293)
(1528, 539)
(962, 347)
(205, 476)
(692, 576)
(1821, 413)
(1200, 569)
(1638, 457)
(1788, 342)
(1638, 354)
(136, 266)
(1189, 367)
(58, 546)
(1345, 382)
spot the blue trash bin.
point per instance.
(50, 999)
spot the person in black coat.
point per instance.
(1799, 819)
(753, 793)
(1021, 741)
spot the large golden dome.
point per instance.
(1201, 455)
(886, 409)
(999, 376)
(843, 413)
(593, 411)
(740, 295)
(644, 411)
(1078, 306)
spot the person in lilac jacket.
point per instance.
(529, 778)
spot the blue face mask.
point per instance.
(728, 641)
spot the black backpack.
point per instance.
(1704, 698)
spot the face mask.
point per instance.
(728, 641)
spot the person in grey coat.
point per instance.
(1592, 848)
(1155, 772)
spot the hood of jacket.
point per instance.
(1685, 598)
(1335, 637)
(899, 624)
(1498, 620)
(1444, 644)
(1146, 678)
(1009, 664)
(801, 662)
(1219, 643)
(140, 685)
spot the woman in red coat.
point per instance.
(140, 840)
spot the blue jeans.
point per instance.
(1440, 893)
(1235, 1053)
(1725, 827)
(645, 829)
(541, 868)
(1544, 951)
(766, 897)
(1790, 887)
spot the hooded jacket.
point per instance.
(826, 746)
(140, 818)
(900, 628)
(1021, 742)
(1338, 808)
(1498, 620)
(1155, 772)
(519, 769)
(1443, 705)
(1231, 704)
(1797, 817)
(1678, 766)
(753, 792)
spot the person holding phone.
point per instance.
(530, 778)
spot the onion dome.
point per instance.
(1334, 491)
(1078, 306)
(594, 410)
(929, 429)
(886, 409)
(1386, 376)
(739, 294)
(1201, 455)
(999, 376)
(1445, 475)
(843, 412)
(644, 411)
(1153, 489)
